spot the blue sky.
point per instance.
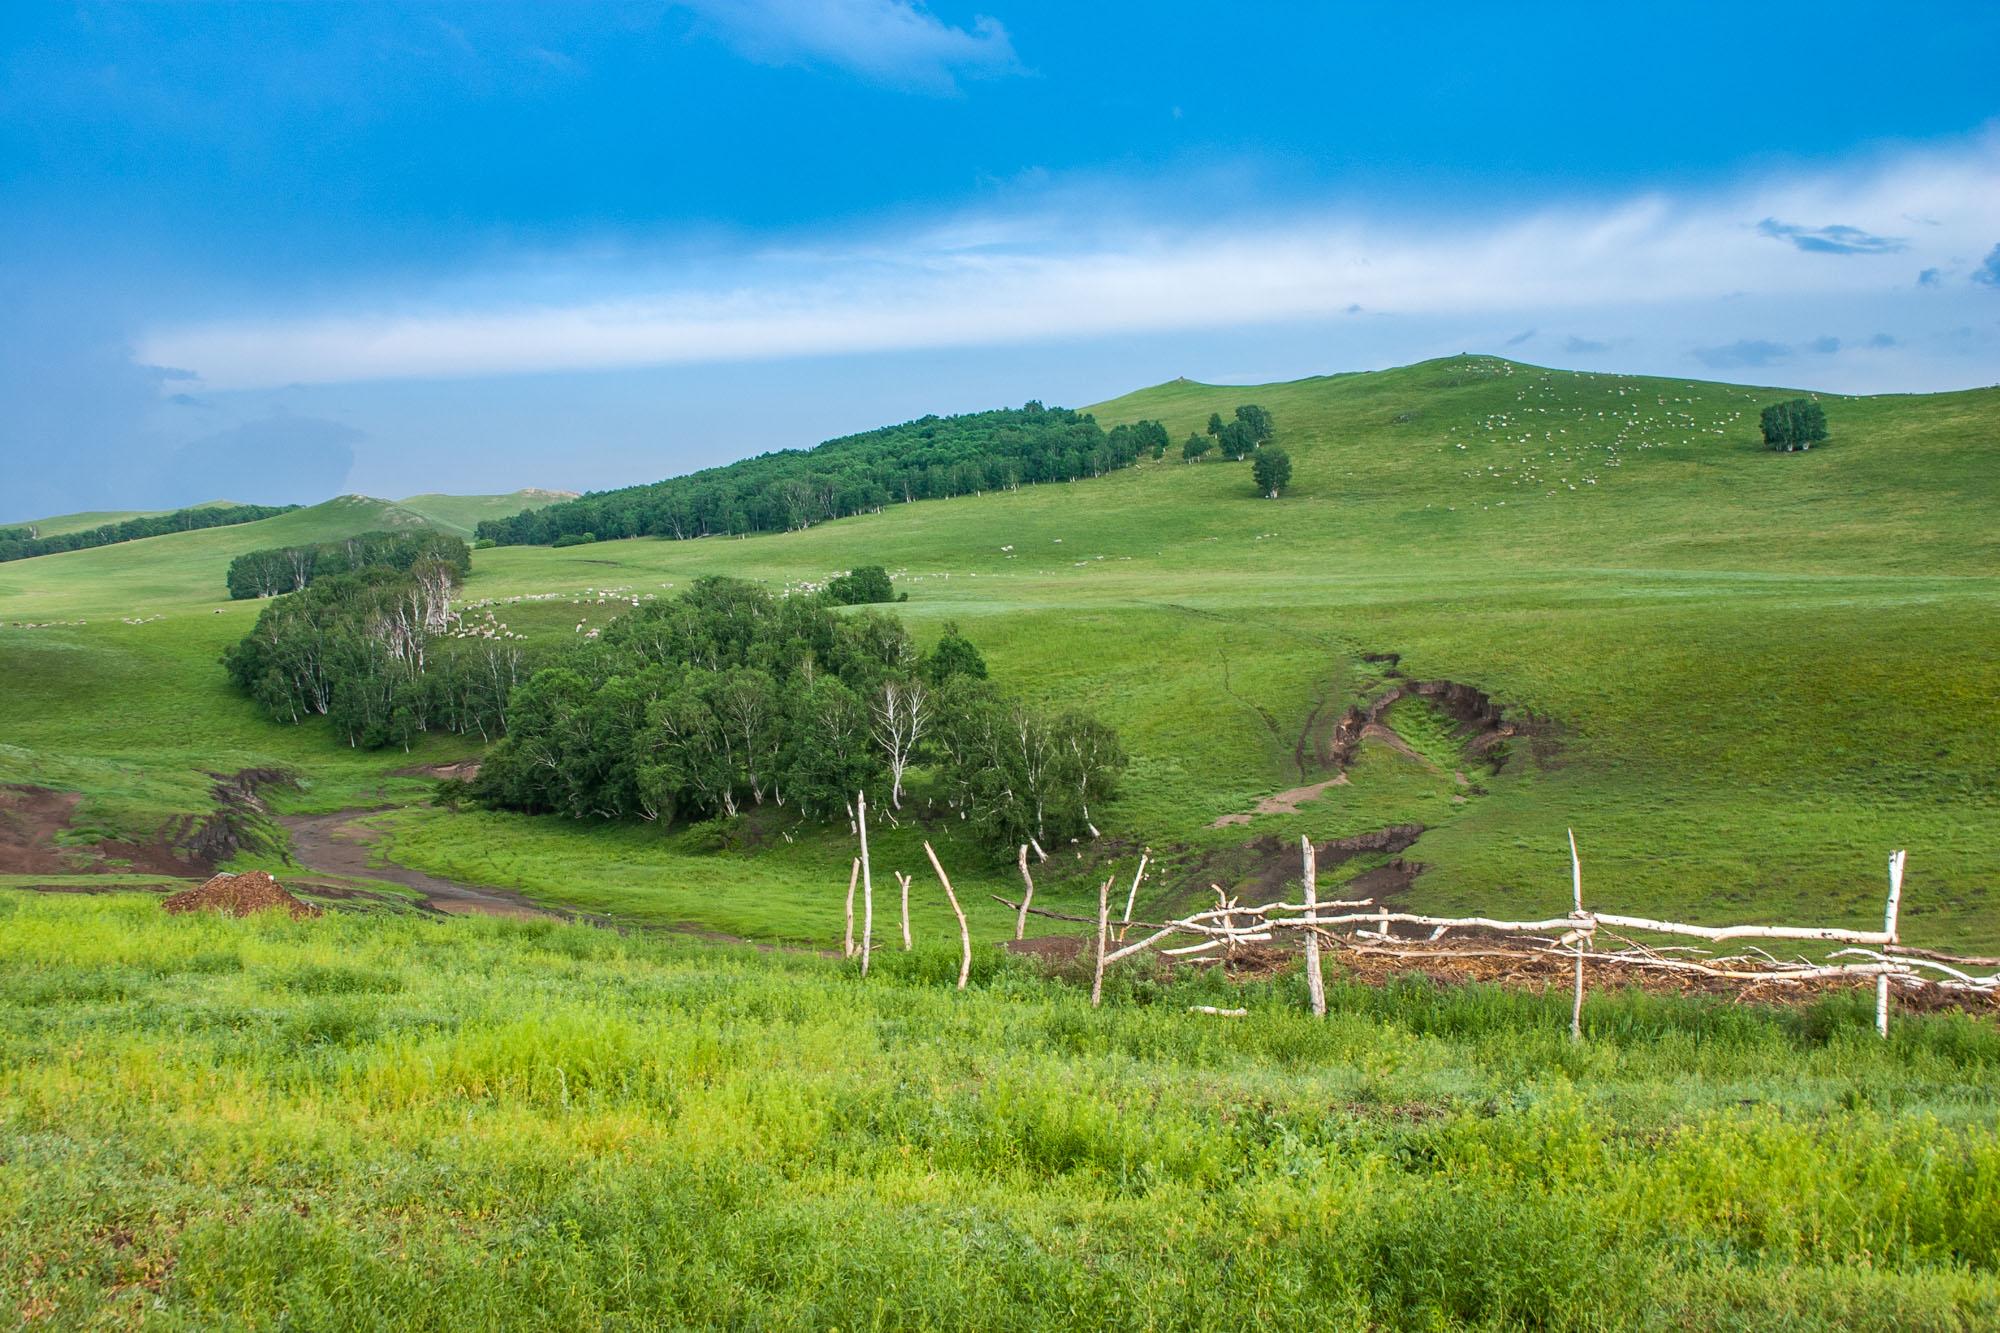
(278, 251)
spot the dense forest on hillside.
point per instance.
(21, 543)
(929, 458)
(282, 569)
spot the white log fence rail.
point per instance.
(1364, 927)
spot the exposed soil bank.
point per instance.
(33, 818)
(339, 844)
(1484, 727)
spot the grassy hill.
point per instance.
(1744, 678)
(1758, 672)
(460, 514)
(93, 518)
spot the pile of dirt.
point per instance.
(240, 895)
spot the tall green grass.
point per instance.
(403, 1123)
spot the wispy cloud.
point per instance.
(1838, 239)
(1067, 272)
(1576, 346)
(897, 43)
(1745, 353)
(1929, 277)
(1989, 272)
(1521, 337)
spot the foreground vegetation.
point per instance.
(377, 1122)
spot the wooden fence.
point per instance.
(1581, 936)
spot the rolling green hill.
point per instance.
(1741, 677)
(92, 518)
(460, 514)
(1753, 673)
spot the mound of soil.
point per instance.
(240, 895)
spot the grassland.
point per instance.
(1760, 673)
(1765, 670)
(368, 1122)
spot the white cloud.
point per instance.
(1068, 274)
(895, 42)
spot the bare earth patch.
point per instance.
(1285, 802)
(340, 844)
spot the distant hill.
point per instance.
(460, 514)
(60, 524)
(191, 566)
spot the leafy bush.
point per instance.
(863, 586)
(1794, 425)
(574, 539)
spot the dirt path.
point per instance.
(340, 844)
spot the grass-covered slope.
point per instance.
(1757, 673)
(85, 520)
(460, 514)
(367, 1122)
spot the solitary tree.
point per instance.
(1215, 423)
(1257, 420)
(1272, 469)
(1794, 425)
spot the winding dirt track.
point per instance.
(339, 844)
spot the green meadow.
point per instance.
(394, 1122)
(1752, 675)
(1761, 671)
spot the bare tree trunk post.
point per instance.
(1315, 982)
(1021, 921)
(904, 881)
(847, 938)
(867, 883)
(1889, 928)
(1103, 934)
(964, 931)
(1576, 887)
(1132, 898)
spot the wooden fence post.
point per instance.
(1132, 898)
(867, 883)
(964, 931)
(1103, 934)
(1889, 928)
(1315, 983)
(1021, 921)
(847, 936)
(904, 881)
(1576, 886)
